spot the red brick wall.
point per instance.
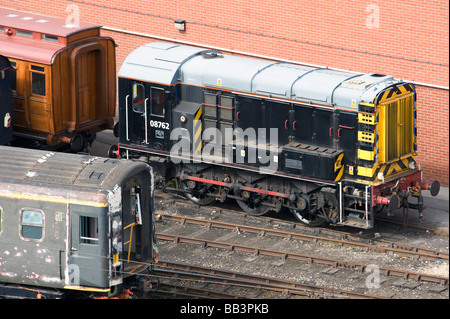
(406, 39)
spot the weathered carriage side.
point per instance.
(72, 222)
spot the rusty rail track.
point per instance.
(300, 257)
(299, 225)
(211, 275)
(387, 247)
(165, 290)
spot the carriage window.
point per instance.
(157, 102)
(50, 38)
(138, 98)
(32, 224)
(37, 80)
(24, 33)
(88, 230)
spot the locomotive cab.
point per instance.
(146, 119)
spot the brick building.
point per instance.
(406, 39)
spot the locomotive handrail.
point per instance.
(146, 124)
(341, 127)
(126, 116)
(367, 204)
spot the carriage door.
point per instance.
(86, 86)
(88, 72)
(134, 211)
(88, 249)
(39, 98)
(138, 114)
(158, 127)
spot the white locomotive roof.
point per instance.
(157, 62)
(168, 64)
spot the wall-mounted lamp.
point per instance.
(180, 25)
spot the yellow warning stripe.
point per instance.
(395, 93)
(83, 288)
(338, 166)
(199, 114)
(52, 199)
(198, 132)
(388, 169)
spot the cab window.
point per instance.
(157, 102)
(138, 98)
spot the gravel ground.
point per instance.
(315, 274)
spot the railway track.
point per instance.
(300, 257)
(166, 195)
(377, 245)
(231, 279)
(237, 234)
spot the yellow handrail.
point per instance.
(131, 237)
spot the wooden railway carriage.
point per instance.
(63, 81)
(72, 222)
(6, 106)
(328, 145)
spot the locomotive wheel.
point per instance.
(77, 143)
(309, 219)
(303, 213)
(252, 203)
(198, 192)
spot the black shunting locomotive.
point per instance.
(328, 145)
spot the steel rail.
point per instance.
(321, 229)
(185, 271)
(184, 292)
(300, 257)
(394, 248)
